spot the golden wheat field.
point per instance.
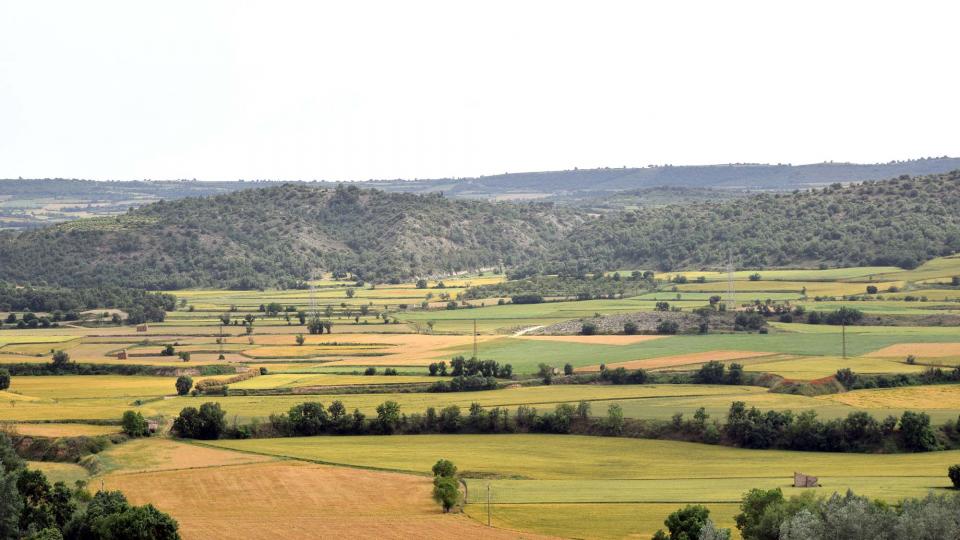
(678, 360)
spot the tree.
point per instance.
(207, 423)
(568, 369)
(445, 468)
(388, 417)
(871, 289)
(614, 421)
(686, 523)
(4, 379)
(446, 491)
(954, 473)
(308, 418)
(630, 328)
(60, 359)
(184, 356)
(916, 432)
(184, 384)
(134, 425)
(315, 326)
(588, 329)
(300, 339)
(11, 503)
(168, 351)
(350, 292)
(421, 283)
(711, 373)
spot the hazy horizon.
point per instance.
(347, 92)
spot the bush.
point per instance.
(207, 423)
(588, 329)
(445, 468)
(390, 371)
(4, 379)
(370, 371)
(668, 327)
(630, 328)
(568, 369)
(954, 473)
(527, 299)
(183, 384)
(134, 424)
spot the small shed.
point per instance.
(142, 328)
(805, 481)
(122, 355)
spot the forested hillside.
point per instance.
(898, 222)
(277, 236)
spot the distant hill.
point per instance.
(899, 222)
(35, 203)
(277, 236)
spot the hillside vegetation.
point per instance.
(278, 236)
(899, 222)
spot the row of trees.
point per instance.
(768, 515)
(858, 432)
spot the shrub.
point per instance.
(568, 369)
(134, 424)
(445, 468)
(668, 327)
(390, 371)
(4, 379)
(370, 371)
(446, 491)
(168, 351)
(207, 423)
(954, 473)
(630, 328)
(183, 384)
(911, 359)
(588, 329)
(527, 299)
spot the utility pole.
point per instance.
(488, 503)
(843, 332)
(475, 348)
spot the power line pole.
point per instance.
(488, 503)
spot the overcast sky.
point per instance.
(352, 90)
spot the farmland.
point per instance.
(562, 485)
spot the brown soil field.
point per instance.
(920, 350)
(597, 340)
(293, 499)
(678, 360)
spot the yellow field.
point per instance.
(92, 386)
(806, 368)
(910, 397)
(60, 430)
(67, 473)
(677, 360)
(292, 499)
(291, 380)
(920, 350)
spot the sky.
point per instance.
(366, 89)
